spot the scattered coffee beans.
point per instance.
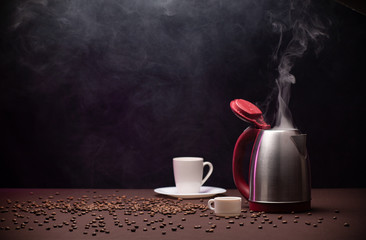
(154, 213)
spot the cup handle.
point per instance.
(209, 171)
(210, 202)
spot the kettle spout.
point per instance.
(300, 143)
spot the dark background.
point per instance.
(103, 94)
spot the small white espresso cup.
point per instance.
(188, 172)
(225, 206)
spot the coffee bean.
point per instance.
(241, 224)
(260, 227)
(228, 227)
(284, 221)
(346, 224)
(307, 223)
(163, 232)
(315, 225)
(336, 211)
(279, 217)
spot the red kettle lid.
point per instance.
(249, 112)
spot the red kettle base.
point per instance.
(280, 207)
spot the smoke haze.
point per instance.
(117, 84)
(104, 93)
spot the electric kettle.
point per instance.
(279, 168)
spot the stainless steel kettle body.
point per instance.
(279, 168)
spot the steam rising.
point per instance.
(304, 27)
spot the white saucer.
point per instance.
(205, 191)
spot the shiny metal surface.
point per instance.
(280, 169)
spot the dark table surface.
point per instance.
(109, 213)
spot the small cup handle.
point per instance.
(210, 202)
(209, 171)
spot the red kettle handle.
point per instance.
(247, 137)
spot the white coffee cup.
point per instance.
(188, 172)
(225, 206)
